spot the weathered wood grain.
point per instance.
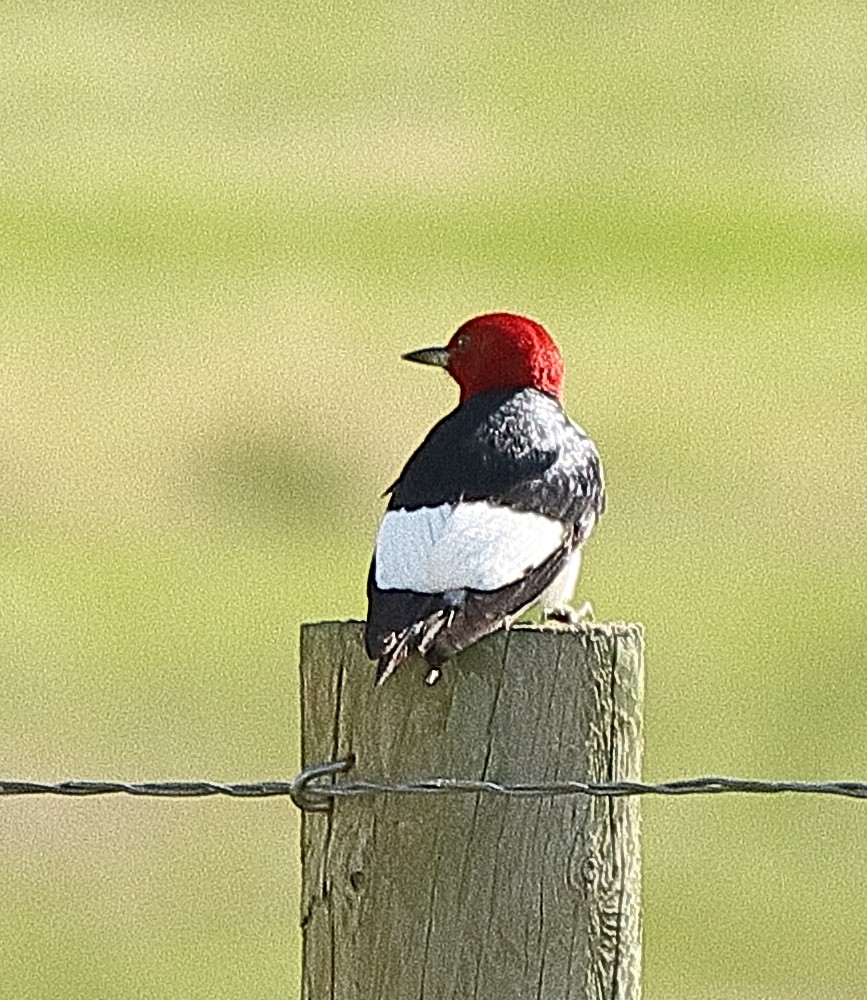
(475, 897)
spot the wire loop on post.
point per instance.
(309, 797)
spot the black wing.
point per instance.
(512, 447)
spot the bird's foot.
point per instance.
(568, 615)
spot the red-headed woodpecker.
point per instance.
(489, 514)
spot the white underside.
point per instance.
(560, 591)
(477, 545)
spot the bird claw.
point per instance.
(569, 615)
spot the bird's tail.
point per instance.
(416, 638)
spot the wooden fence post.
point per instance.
(458, 896)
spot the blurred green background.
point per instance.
(221, 224)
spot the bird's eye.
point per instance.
(463, 342)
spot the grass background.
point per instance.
(220, 226)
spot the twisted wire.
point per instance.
(314, 788)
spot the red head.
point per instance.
(498, 351)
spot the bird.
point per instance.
(490, 513)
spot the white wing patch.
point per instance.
(477, 545)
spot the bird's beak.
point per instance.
(438, 356)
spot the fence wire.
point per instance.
(314, 789)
